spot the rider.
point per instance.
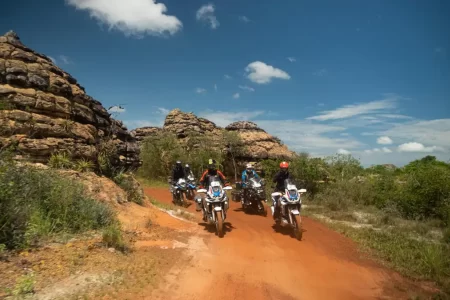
(188, 171)
(210, 172)
(279, 179)
(248, 173)
(177, 172)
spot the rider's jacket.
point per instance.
(246, 176)
(206, 176)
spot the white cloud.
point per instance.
(116, 109)
(386, 150)
(384, 140)
(246, 88)
(345, 134)
(416, 147)
(394, 116)
(343, 151)
(223, 118)
(65, 60)
(200, 90)
(137, 17)
(163, 110)
(244, 19)
(261, 73)
(227, 76)
(376, 150)
(236, 96)
(321, 72)
(215, 87)
(52, 59)
(368, 151)
(357, 109)
(430, 132)
(292, 59)
(206, 14)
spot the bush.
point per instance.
(112, 237)
(130, 186)
(35, 204)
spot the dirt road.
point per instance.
(253, 261)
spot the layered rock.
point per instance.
(258, 143)
(141, 133)
(44, 110)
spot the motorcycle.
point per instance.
(289, 207)
(215, 205)
(191, 187)
(255, 196)
(179, 192)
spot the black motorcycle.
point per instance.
(255, 196)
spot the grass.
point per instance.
(400, 244)
(152, 182)
(112, 238)
(131, 186)
(24, 285)
(37, 204)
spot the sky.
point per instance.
(369, 78)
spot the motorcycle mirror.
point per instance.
(302, 191)
(228, 188)
(201, 191)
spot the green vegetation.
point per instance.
(113, 238)
(158, 153)
(36, 204)
(25, 285)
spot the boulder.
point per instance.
(44, 110)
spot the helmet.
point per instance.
(249, 167)
(284, 165)
(211, 167)
(178, 162)
(187, 166)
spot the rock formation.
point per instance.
(258, 143)
(44, 110)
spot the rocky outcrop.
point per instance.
(258, 143)
(44, 110)
(182, 124)
(141, 133)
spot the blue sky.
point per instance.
(371, 78)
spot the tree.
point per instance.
(235, 147)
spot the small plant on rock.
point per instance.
(60, 161)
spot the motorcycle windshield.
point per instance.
(255, 181)
(293, 195)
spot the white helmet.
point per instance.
(249, 167)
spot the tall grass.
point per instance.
(36, 203)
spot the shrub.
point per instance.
(112, 237)
(36, 203)
(130, 186)
(84, 165)
(60, 161)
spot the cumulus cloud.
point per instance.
(137, 17)
(343, 151)
(236, 96)
(261, 73)
(246, 88)
(386, 150)
(349, 111)
(206, 14)
(416, 147)
(200, 90)
(384, 140)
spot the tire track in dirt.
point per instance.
(253, 261)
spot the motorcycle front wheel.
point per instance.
(219, 224)
(298, 232)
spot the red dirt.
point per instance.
(253, 261)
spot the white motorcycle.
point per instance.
(179, 192)
(289, 207)
(215, 205)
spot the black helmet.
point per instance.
(211, 167)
